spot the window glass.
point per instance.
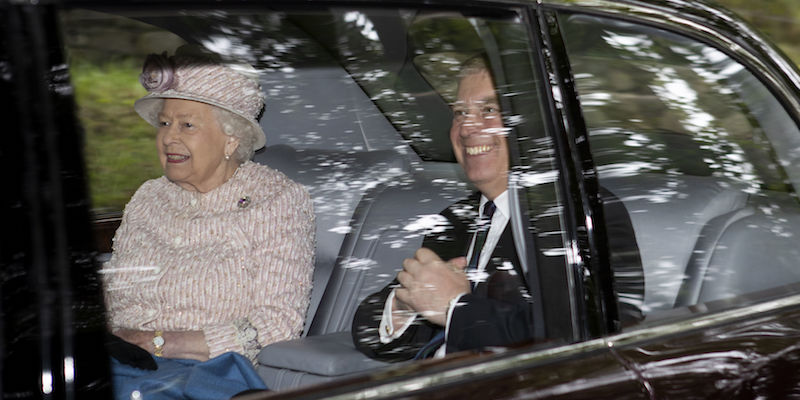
(105, 56)
(699, 152)
(358, 109)
(295, 54)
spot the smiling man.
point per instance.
(464, 289)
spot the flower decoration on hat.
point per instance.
(158, 73)
(196, 75)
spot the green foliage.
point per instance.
(776, 19)
(120, 146)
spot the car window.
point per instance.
(379, 91)
(358, 109)
(104, 67)
(700, 153)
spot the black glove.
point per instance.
(129, 353)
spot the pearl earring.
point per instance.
(227, 156)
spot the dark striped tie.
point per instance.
(480, 235)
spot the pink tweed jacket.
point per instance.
(235, 263)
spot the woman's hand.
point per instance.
(177, 344)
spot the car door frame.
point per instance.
(53, 311)
(694, 336)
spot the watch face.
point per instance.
(158, 341)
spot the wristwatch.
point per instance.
(158, 344)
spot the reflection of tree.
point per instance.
(777, 19)
(660, 102)
(414, 109)
(444, 43)
(676, 133)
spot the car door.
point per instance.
(697, 140)
(53, 324)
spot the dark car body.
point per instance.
(661, 118)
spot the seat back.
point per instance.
(336, 181)
(387, 227)
(669, 214)
(754, 249)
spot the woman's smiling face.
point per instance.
(192, 146)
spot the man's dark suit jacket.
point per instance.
(498, 312)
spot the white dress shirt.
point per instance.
(387, 330)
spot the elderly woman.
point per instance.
(215, 256)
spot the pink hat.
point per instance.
(231, 87)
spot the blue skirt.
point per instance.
(218, 378)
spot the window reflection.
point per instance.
(695, 148)
(358, 109)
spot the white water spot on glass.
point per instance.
(530, 179)
(386, 93)
(433, 223)
(342, 230)
(595, 99)
(218, 44)
(637, 140)
(625, 169)
(361, 20)
(734, 157)
(700, 120)
(514, 120)
(638, 45)
(397, 243)
(731, 69)
(358, 263)
(374, 75)
(558, 252)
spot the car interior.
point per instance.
(711, 199)
(363, 125)
(369, 190)
(374, 191)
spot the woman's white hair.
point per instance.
(236, 126)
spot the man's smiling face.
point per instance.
(478, 135)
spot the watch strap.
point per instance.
(158, 344)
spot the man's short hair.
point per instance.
(473, 65)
